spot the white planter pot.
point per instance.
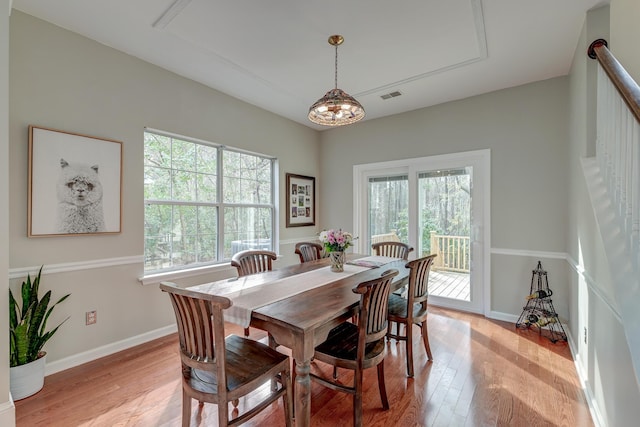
(27, 380)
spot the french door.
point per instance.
(437, 204)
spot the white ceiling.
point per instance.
(274, 54)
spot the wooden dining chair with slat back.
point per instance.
(252, 262)
(392, 249)
(220, 370)
(309, 251)
(412, 310)
(362, 345)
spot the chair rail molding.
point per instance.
(15, 273)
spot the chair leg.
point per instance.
(273, 344)
(409, 331)
(382, 387)
(186, 410)
(357, 398)
(246, 332)
(223, 414)
(425, 339)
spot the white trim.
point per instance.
(505, 317)
(593, 287)
(156, 278)
(8, 412)
(106, 350)
(169, 14)
(15, 273)
(596, 414)
(528, 253)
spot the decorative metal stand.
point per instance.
(539, 312)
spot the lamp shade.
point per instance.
(336, 108)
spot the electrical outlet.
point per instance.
(92, 317)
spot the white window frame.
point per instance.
(154, 276)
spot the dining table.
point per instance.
(299, 304)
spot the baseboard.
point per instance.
(8, 413)
(505, 317)
(106, 350)
(596, 415)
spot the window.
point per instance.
(203, 202)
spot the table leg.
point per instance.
(303, 393)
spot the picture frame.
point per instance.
(75, 184)
(301, 200)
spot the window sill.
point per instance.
(153, 279)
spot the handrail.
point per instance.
(623, 82)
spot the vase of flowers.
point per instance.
(335, 242)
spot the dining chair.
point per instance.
(251, 262)
(220, 370)
(392, 249)
(412, 310)
(360, 346)
(309, 251)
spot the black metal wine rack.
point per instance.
(539, 313)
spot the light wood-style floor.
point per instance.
(484, 373)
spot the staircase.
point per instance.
(613, 181)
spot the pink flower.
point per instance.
(335, 240)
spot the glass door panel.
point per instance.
(444, 222)
(388, 209)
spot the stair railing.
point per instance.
(618, 138)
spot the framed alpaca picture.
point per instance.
(75, 184)
(301, 200)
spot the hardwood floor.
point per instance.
(484, 373)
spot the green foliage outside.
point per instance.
(189, 187)
(444, 204)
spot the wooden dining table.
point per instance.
(302, 321)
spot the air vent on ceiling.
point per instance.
(390, 95)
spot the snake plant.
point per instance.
(28, 323)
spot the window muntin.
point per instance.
(188, 185)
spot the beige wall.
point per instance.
(625, 34)
(6, 407)
(64, 81)
(525, 129)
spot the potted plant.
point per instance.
(28, 334)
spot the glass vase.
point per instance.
(337, 261)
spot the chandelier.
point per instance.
(336, 107)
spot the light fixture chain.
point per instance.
(336, 75)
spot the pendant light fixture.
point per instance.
(336, 107)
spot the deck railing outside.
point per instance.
(453, 252)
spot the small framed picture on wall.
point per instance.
(75, 184)
(301, 200)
